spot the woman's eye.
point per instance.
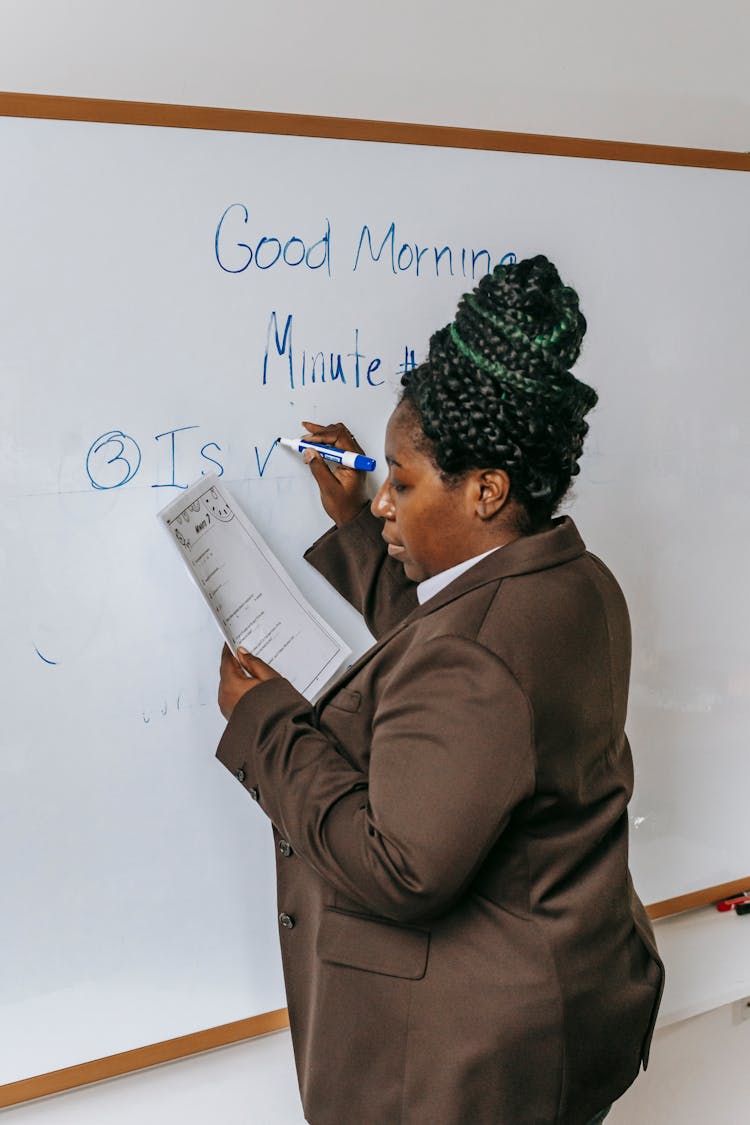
(396, 485)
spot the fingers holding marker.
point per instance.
(330, 477)
(342, 487)
(334, 443)
(317, 464)
(334, 433)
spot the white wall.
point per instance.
(662, 71)
(659, 71)
(696, 1072)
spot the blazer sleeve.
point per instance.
(354, 559)
(450, 757)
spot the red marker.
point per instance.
(742, 898)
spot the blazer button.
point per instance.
(286, 921)
(285, 847)
(254, 794)
(240, 774)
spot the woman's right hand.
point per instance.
(343, 492)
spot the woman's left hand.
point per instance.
(233, 683)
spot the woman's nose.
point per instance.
(381, 506)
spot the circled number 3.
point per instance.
(113, 460)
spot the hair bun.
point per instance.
(496, 389)
(521, 323)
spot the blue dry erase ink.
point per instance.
(262, 468)
(98, 460)
(170, 434)
(331, 453)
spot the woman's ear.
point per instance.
(493, 492)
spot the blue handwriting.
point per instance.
(303, 368)
(262, 468)
(115, 448)
(115, 458)
(409, 362)
(266, 251)
(467, 261)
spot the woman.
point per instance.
(461, 941)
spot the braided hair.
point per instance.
(496, 390)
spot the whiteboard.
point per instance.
(172, 300)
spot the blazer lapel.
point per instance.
(558, 545)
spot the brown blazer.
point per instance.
(461, 941)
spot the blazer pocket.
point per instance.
(365, 943)
(345, 700)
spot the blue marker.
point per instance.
(331, 453)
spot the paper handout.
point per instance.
(254, 601)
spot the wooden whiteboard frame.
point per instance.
(341, 128)
(358, 129)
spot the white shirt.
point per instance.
(438, 582)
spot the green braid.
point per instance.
(493, 367)
(518, 336)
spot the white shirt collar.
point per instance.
(438, 582)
